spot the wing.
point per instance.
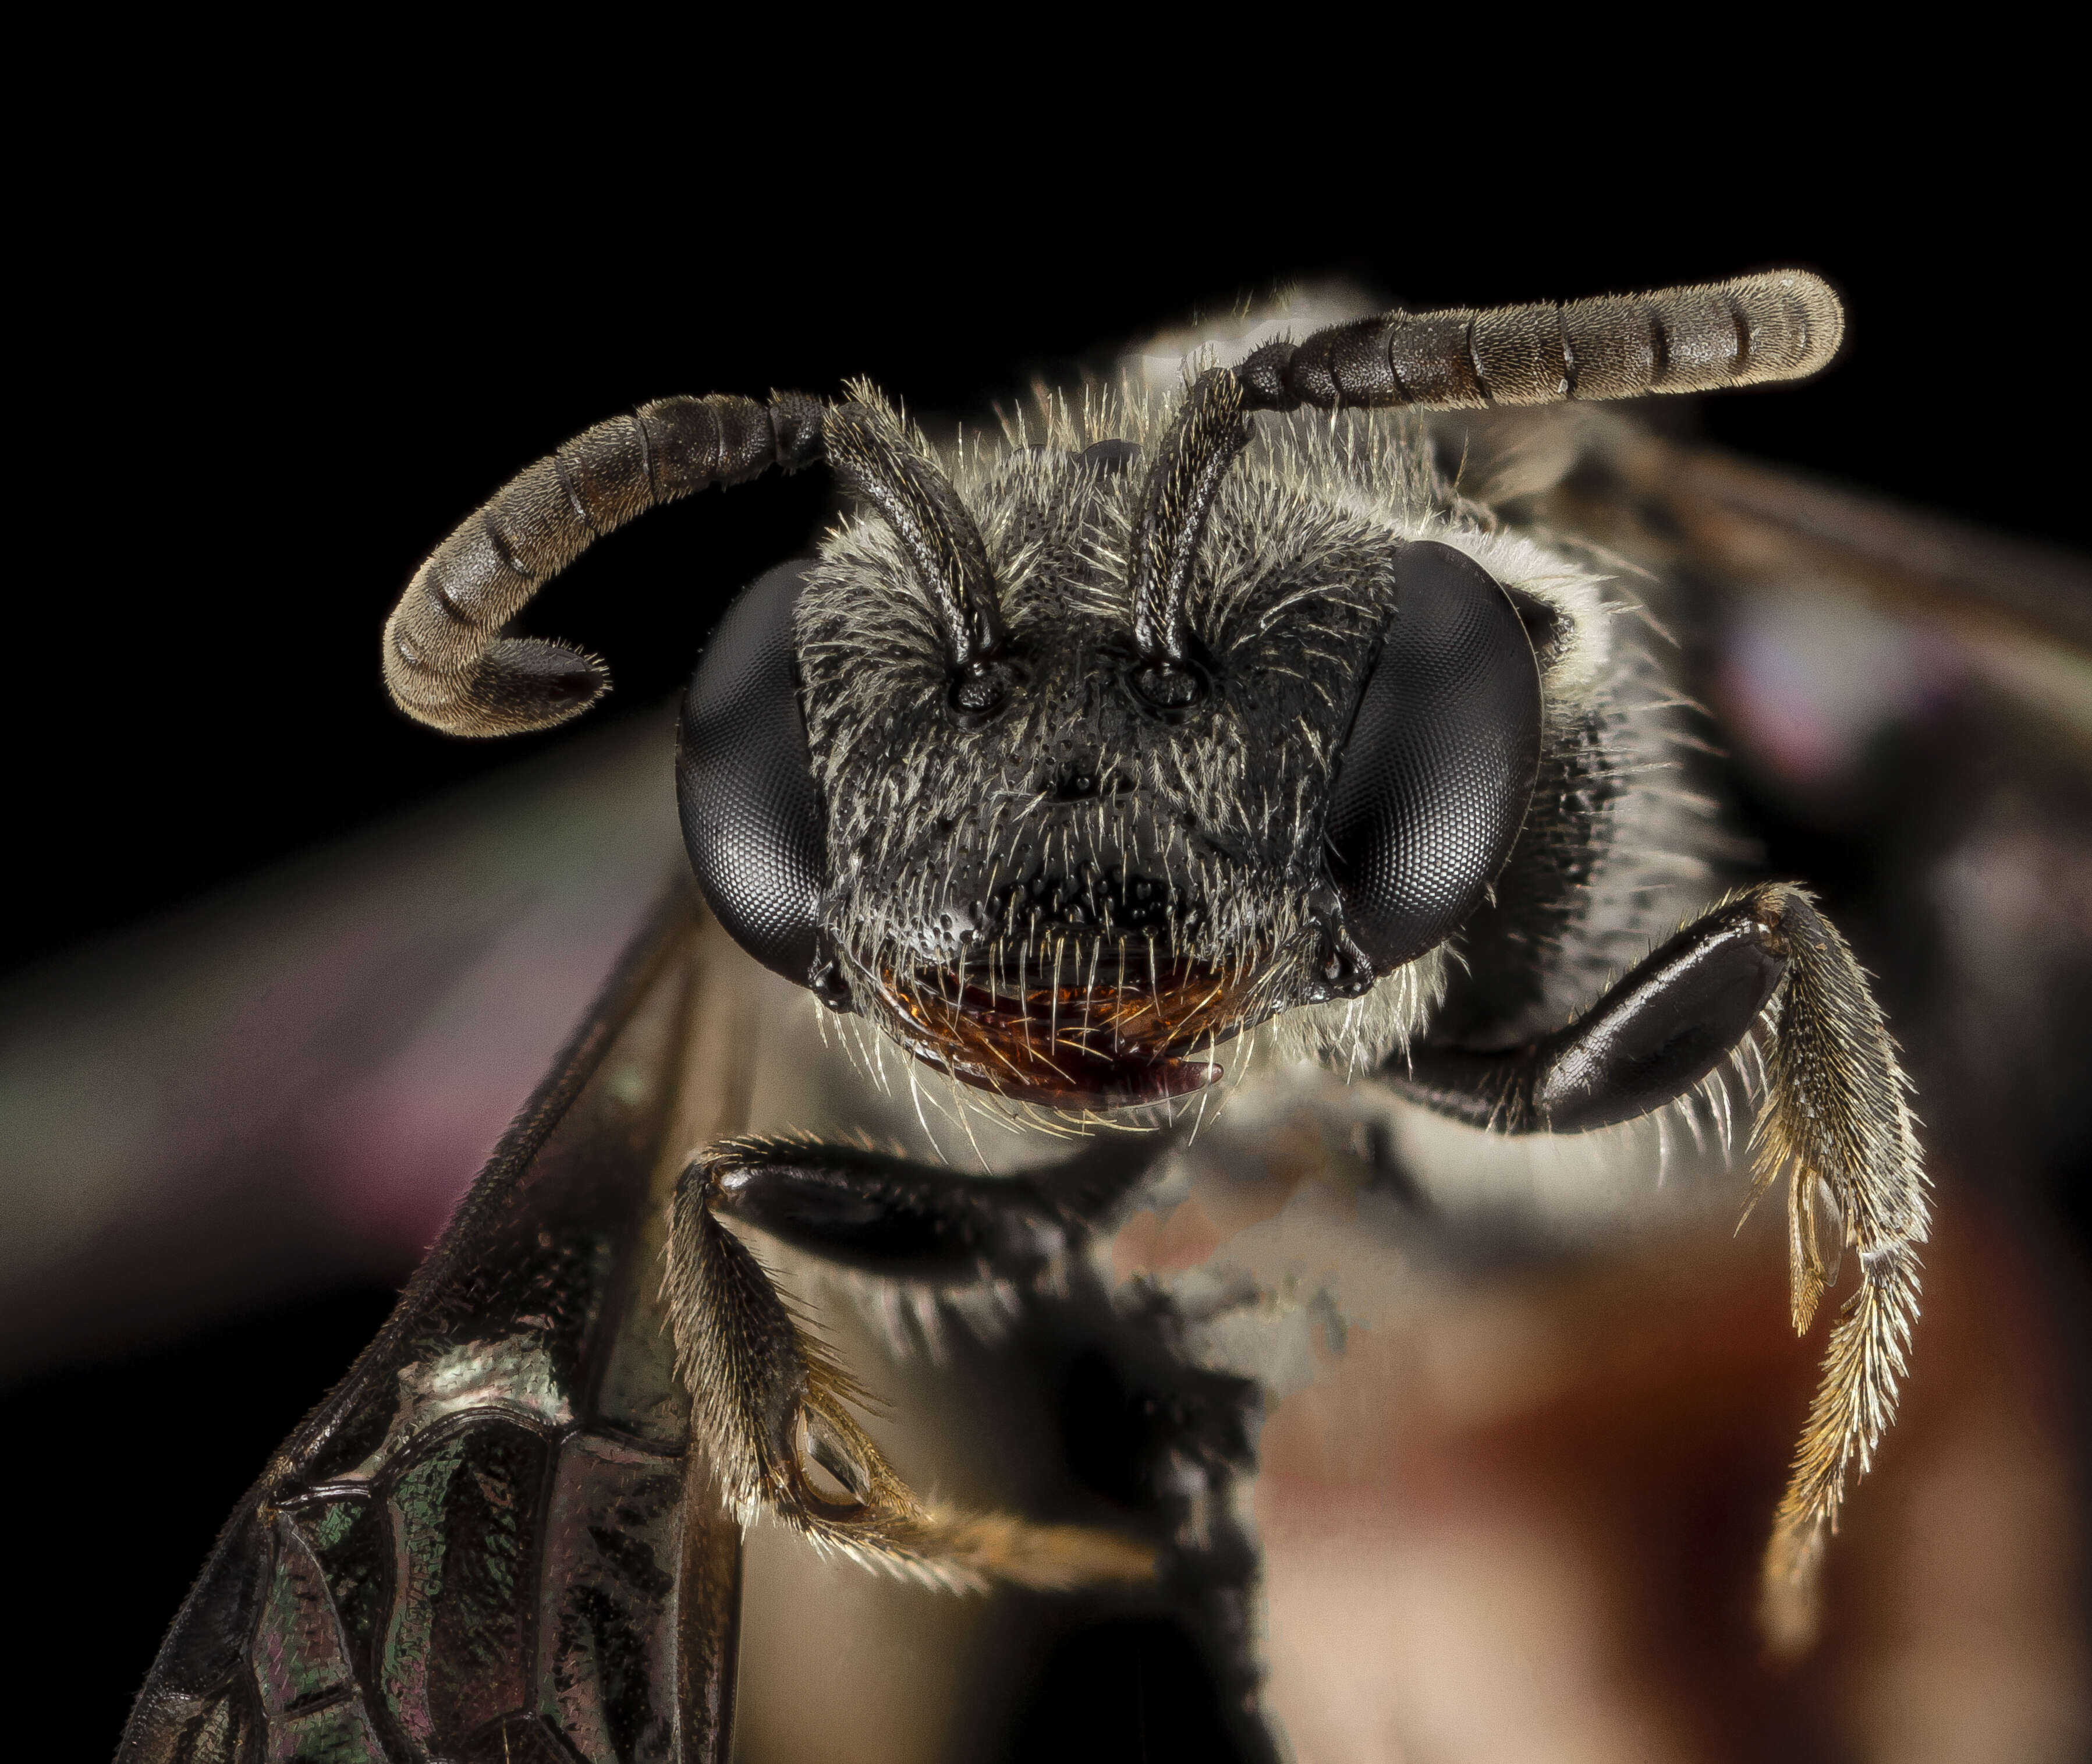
(493, 1541)
(1735, 525)
(1742, 523)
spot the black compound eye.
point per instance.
(752, 817)
(1438, 768)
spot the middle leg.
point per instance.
(774, 1405)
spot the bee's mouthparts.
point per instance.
(1117, 1026)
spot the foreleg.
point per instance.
(1836, 1112)
(771, 1403)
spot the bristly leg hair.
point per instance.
(1836, 1114)
(770, 1401)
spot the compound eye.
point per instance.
(1438, 768)
(752, 817)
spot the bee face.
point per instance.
(1074, 887)
(1072, 870)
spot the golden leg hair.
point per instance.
(769, 1402)
(1836, 1114)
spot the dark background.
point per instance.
(273, 371)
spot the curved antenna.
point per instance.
(1783, 325)
(1192, 458)
(446, 661)
(874, 458)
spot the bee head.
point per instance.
(1067, 765)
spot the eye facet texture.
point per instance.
(1438, 768)
(752, 815)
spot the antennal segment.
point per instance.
(447, 663)
(918, 502)
(1784, 325)
(1193, 458)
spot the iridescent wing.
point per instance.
(493, 1540)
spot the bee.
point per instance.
(1206, 750)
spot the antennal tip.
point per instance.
(521, 683)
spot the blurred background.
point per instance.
(282, 964)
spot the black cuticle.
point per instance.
(1109, 458)
(826, 981)
(1168, 689)
(1344, 970)
(983, 692)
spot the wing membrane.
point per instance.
(493, 1541)
(1740, 519)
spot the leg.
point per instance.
(1834, 1114)
(907, 1221)
(1647, 1042)
(772, 1403)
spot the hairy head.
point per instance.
(1074, 890)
